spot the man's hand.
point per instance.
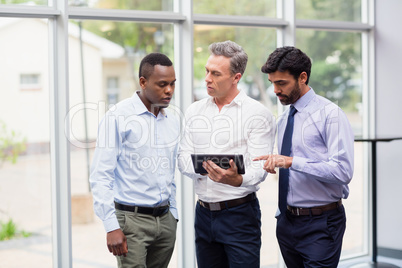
(117, 243)
(275, 160)
(226, 176)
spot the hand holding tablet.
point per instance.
(222, 160)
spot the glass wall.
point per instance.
(336, 10)
(155, 5)
(25, 200)
(241, 7)
(103, 60)
(25, 2)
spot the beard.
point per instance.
(292, 97)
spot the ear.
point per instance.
(143, 82)
(303, 78)
(237, 78)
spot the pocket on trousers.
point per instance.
(336, 224)
(122, 219)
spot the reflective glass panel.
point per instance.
(25, 172)
(337, 10)
(240, 7)
(337, 75)
(155, 5)
(104, 59)
(258, 44)
(25, 2)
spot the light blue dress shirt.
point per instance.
(134, 160)
(322, 150)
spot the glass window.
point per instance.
(30, 82)
(104, 61)
(112, 90)
(25, 172)
(25, 2)
(240, 7)
(337, 75)
(338, 10)
(154, 5)
(258, 44)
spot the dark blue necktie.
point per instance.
(284, 172)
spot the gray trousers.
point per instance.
(150, 239)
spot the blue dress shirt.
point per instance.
(134, 160)
(322, 150)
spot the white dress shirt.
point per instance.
(322, 150)
(244, 127)
(134, 160)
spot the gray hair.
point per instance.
(238, 57)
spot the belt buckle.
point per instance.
(298, 211)
(214, 206)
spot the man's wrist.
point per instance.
(289, 162)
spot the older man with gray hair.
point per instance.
(228, 216)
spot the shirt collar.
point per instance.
(301, 103)
(140, 108)
(237, 100)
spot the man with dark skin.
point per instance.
(135, 199)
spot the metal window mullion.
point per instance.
(286, 11)
(286, 36)
(60, 152)
(369, 112)
(332, 25)
(183, 51)
(28, 11)
(246, 21)
(125, 15)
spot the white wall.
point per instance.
(24, 52)
(389, 121)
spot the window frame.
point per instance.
(59, 13)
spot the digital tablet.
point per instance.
(221, 160)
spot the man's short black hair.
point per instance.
(289, 59)
(149, 61)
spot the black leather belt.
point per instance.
(227, 204)
(156, 211)
(314, 211)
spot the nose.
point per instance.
(208, 77)
(169, 89)
(276, 90)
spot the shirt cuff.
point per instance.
(298, 163)
(174, 213)
(253, 178)
(111, 224)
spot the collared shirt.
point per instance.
(322, 150)
(134, 160)
(244, 127)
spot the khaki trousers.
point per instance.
(150, 239)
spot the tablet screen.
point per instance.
(221, 160)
